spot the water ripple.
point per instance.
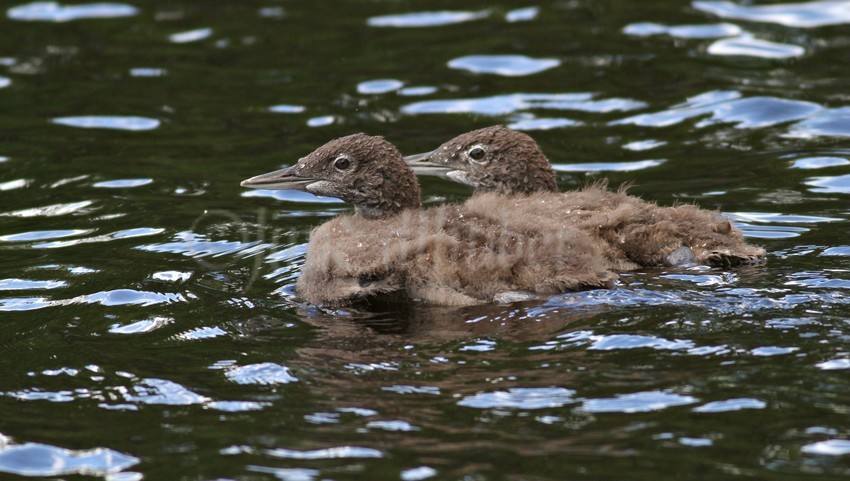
(695, 442)
(68, 180)
(772, 217)
(505, 65)
(291, 196)
(200, 333)
(36, 459)
(725, 300)
(380, 86)
(830, 184)
(830, 447)
(113, 122)
(641, 145)
(805, 15)
(636, 341)
(287, 109)
(637, 403)
(24, 304)
(36, 394)
(14, 184)
(125, 297)
(265, 373)
(171, 276)
(520, 398)
(286, 474)
(608, 166)
(715, 30)
(529, 122)
(769, 351)
(828, 122)
(338, 452)
(25, 284)
(749, 46)
(322, 418)
(731, 405)
(819, 162)
(479, 345)
(358, 411)
(121, 234)
(426, 19)
(392, 426)
(190, 36)
(291, 257)
(834, 364)
(148, 72)
(195, 245)
(816, 279)
(39, 235)
(321, 121)
(433, 390)
(139, 327)
(770, 231)
(163, 392)
(522, 14)
(272, 12)
(52, 210)
(791, 323)
(237, 406)
(418, 474)
(122, 183)
(374, 366)
(510, 103)
(417, 91)
(54, 12)
(728, 107)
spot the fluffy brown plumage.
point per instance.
(635, 232)
(449, 255)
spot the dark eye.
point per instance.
(342, 163)
(477, 153)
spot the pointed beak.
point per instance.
(283, 179)
(422, 165)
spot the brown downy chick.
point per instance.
(637, 233)
(447, 255)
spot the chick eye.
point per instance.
(476, 153)
(342, 163)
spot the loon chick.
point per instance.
(638, 233)
(450, 255)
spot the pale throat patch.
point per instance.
(460, 177)
(321, 187)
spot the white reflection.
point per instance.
(425, 19)
(805, 15)
(54, 12)
(109, 122)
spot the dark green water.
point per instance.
(147, 321)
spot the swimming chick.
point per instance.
(449, 255)
(637, 233)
